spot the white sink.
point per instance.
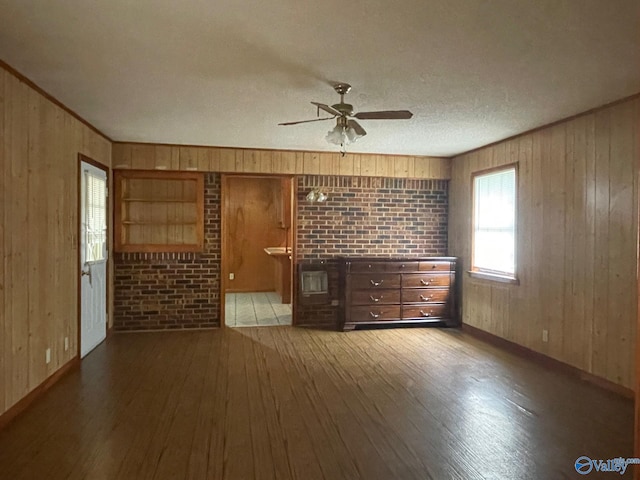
(278, 250)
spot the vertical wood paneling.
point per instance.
(287, 162)
(122, 155)
(601, 259)
(577, 240)
(39, 145)
(553, 227)
(368, 165)
(622, 241)
(143, 157)
(16, 215)
(401, 167)
(37, 231)
(590, 234)
(325, 161)
(251, 161)
(227, 160)
(215, 159)
(4, 198)
(311, 163)
(383, 166)
(162, 158)
(345, 166)
(188, 158)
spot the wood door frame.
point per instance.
(224, 274)
(636, 429)
(105, 169)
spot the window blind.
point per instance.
(95, 217)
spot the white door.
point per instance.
(93, 257)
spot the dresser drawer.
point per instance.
(375, 313)
(407, 266)
(375, 280)
(425, 295)
(422, 280)
(435, 266)
(399, 266)
(424, 311)
(375, 297)
(358, 267)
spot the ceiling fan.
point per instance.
(348, 130)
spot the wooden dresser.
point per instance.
(375, 291)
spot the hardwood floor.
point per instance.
(285, 403)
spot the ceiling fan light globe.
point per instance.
(336, 136)
(352, 135)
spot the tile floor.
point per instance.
(259, 309)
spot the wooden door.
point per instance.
(252, 223)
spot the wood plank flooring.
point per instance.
(291, 403)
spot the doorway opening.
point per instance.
(257, 250)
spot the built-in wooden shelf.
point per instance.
(159, 211)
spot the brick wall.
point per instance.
(363, 216)
(156, 291)
(366, 217)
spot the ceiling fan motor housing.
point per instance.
(344, 108)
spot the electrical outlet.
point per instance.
(66, 344)
(47, 355)
(232, 276)
(335, 303)
(545, 335)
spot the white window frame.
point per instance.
(483, 272)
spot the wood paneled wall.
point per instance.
(39, 146)
(217, 159)
(576, 241)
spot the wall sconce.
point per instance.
(317, 195)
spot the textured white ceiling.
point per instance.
(226, 72)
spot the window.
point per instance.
(494, 223)
(95, 217)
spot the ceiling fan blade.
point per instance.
(357, 127)
(307, 121)
(385, 115)
(327, 108)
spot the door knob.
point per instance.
(86, 272)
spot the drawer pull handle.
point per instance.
(374, 315)
(426, 299)
(425, 283)
(425, 314)
(374, 299)
(376, 284)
